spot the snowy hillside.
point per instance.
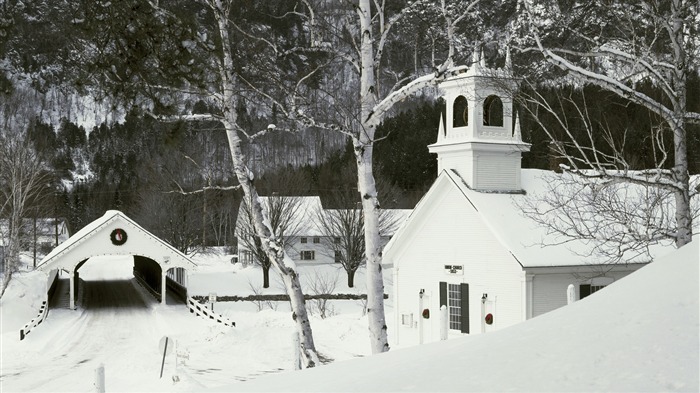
(639, 334)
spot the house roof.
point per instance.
(502, 213)
(390, 220)
(94, 239)
(309, 208)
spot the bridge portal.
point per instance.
(156, 263)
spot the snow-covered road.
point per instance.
(118, 324)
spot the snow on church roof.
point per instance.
(521, 236)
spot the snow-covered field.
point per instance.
(62, 353)
(639, 334)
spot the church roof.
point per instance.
(503, 215)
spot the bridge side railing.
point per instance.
(43, 312)
(142, 282)
(175, 288)
(204, 312)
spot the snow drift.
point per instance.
(639, 334)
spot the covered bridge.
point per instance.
(156, 263)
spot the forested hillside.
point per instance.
(138, 106)
(140, 165)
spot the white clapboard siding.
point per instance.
(497, 172)
(440, 238)
(549, 289)
(549, 292)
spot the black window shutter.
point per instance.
(464, 289)
(584, 290)
(443, 294)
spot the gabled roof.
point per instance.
(502, 214)
(390, 220)
(95, 239)
(308, 209)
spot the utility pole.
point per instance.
(34, 238)
(55, 215)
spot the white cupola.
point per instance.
(478, 138)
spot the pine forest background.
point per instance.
(155, 171)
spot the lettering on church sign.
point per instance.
(454, 269)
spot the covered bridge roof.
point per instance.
(113, 234)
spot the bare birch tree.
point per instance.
(620, 209)
(23, 176)
(356, 38)
(159, 53)
(342, 38)
(620, 46)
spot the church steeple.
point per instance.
(477, 138)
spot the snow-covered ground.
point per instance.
(639, 334)
(122, 330)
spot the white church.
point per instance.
(467, 245)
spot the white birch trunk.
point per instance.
(270, 244)
(365, 182)
(679, 76)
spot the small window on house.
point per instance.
(317, 240)
(308, 255)
(493, 112)
(303, 240)
(460, 112)
(594, 285)
(246, 258)
(336, 240)
(338, 257)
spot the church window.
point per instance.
(456, 298)
(460, 112)
(493, 111)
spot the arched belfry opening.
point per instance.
(157, 266)
(493, 111)
(460, 112)
(481, 141)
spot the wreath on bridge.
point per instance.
(118, 237)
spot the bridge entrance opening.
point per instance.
(108, 282)
(151, 262)
(120, 282)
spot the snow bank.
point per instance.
(21, 301)
(639, 334)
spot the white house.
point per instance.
(306, 242)
(467, 245)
